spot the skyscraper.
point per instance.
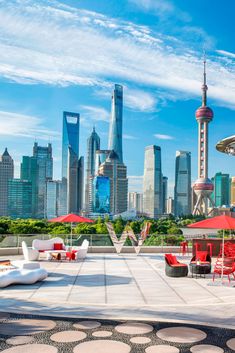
(19, 198)
(135, 201)
(117, 173)
(6, 173)
(152, 185)
(203, 186)
(164, 193)
(182, 198)
(101, 194)
(93, 144)
(115, 129)
(221, 193)
(233, 191)
(71, 190)
(38, 169)
(52, 198)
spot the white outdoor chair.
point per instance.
(29, 253)
(82, 250)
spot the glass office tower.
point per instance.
(6, 173)
(152, 184)
(182, 198)
(115, 129)
(221, 193)
(72, 188)
(19, 198)
(101, 194)
(232, 197)
(164, 193)
(52, 198)
(93, 144)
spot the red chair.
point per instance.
(174, 268)
(197, 247)
(210, 247)
(71, 255)
(228, 267)
(184, 247)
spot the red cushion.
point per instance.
(201, 262)
(58, 246)
(201, 255)
(178, 265)
(172, 260)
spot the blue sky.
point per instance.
(67, 55)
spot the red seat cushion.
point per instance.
(58, 246)
(201, 262)
(178, 265)
(201, 255)
(172, 260)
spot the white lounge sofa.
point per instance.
(22, 276)
(30, 254)
(81, 250)
(44, 245)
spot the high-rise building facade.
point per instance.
(71, 191)
(152, 184)
(38, 169)
(232, 199)
(52, 198)
(6, 173)
(135, 201)
(221, 193)
(115, 129)
(117, 174)
(182, 198)
(93, 144)
(164, 193)
(170, 205)
(203, 186)
(19, 198)
(101, 194)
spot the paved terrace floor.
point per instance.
(122, 287)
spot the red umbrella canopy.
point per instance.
(71, 218)
(219, 222)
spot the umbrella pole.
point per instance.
(71, 235)
(222, 272)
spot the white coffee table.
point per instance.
(50, 253)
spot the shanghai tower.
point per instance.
(115, 130)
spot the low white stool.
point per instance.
(26, 265)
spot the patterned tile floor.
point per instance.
(35, 334)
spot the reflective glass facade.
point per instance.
(182, 199)
(164, 193)
(52, 199)
(101, 194)
(152, 183)
(115, 130)
(221, 193)
(19, 198)
(6, 173)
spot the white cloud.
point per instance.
(226, 53)
(50, 43)
(92, 113)
(20, 125)
(163, 137)
(129, 137)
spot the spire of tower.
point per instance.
(204, 86)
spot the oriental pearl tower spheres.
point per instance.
(203, 186)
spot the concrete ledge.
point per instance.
(108, 250)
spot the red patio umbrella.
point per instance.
(219, 222)
(71, 218)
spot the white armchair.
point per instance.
(29, 253)
(82, 250)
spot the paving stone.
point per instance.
(181, 334)
(32, 348)
(68, 336)
(87, 325)
(206, 348)
(161, 348)
(134, 328)
(102, 334)
(15, 340)
(102, 346)
(231, 343)
(140, 340)
(25, 327)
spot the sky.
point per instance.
(67, 55)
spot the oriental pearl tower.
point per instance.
(203, 186)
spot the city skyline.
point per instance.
(160, 97)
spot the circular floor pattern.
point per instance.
(134, 328)
(87, 325)
(102, 346)
(206, 348)
(140, 340)
(4, 316)
(24, 327)
(68, 336)
(161, 348)
(32, 348)
(15, 340)
(102, 334)
(231, 344)
(181, 334)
